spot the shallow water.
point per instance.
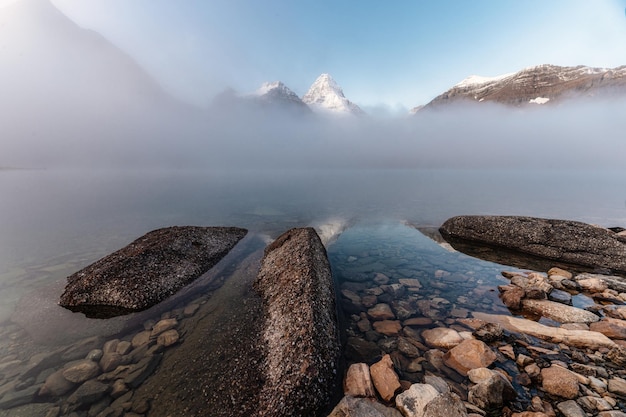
(53, 223)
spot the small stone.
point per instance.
(441, 337)
(118, 388)
(560, 382)
(388, 327)
(124, 347)
(511, 296)
(469, 354)
(489, 332)
(492, 389)
(110, 361)
(191, 309)
(364, 325)
(110, 346)
(381, 311)
(381, 279)
(81, 371)
(617, 386)
(560, 272)
(162, 326)
(168, 338)
(571, 409)
(88, 393)
(385, 378)
(56, 385)
(560, 296)
(94, 355)
(410, 282)
(141, 338)
(610, 327)
(413, 401)
(358, 382)
(407, 348)
(418, 322)
(592, 284)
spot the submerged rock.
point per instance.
(560, 240)
(300, 330)
(148, 270)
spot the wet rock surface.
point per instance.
(559, 240)
(148, 270)
(300, 331)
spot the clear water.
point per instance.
(54, 222)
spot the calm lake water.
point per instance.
(54, 222)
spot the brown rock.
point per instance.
(560, 272)
(110, 361)
(610, 327)
(81, 371)
(385, 378)
(381, 312)
(163, 325)
(617, 386)
(419, 322)
(592, 284)
(560, 382)
(511, 296)
(56, 385)
(168, 338)
(141, 338)
(576, 338)
(559, 312)
(469, 354)
(441, 337)
(358, 382)
(388, 327)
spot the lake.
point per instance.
(55, 222)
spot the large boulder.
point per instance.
(564, 241)
(300, 330)
(148, 270)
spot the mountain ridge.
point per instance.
(539, 84)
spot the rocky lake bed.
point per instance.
(425, 331)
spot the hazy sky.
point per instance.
(393, 54)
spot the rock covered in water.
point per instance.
(560, 240)
(300, 330)
(148, 270)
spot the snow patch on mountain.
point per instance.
(325, 95)
(474, 80)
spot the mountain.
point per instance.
(69, 94)
(277, 95)
(326, 96)
(542, 84)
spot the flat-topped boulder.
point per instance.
(565, 241)
(300, 326)
(148, 270)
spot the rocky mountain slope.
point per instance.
(540, 84)
(277, 94)
(325, 95)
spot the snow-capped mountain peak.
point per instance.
(276, 94)
(275, 87)
(325, 95)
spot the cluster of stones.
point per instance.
(562, 360)
(91, 378)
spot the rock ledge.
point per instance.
(148, 270)
(566, 241)
(300, 330)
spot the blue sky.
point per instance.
(386, 55)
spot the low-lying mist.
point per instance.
(574, 135)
